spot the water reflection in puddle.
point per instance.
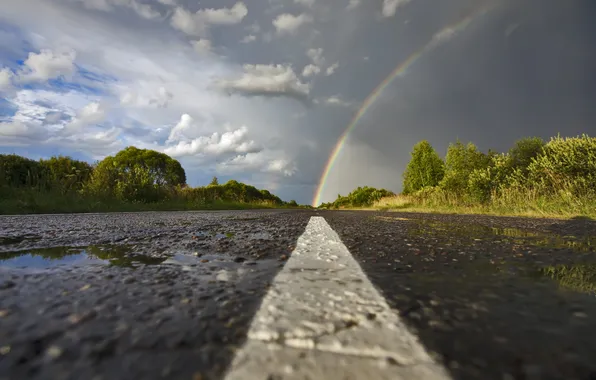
(473, 233)
(69, 256)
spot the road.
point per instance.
(285, 294)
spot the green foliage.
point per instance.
(461, 160)
(134, 174)
(532, 178)
(360, 197)
(566, 164)
(214, 182)
(425, 168)
(65, 174)
(524, 152)
(17, 171)
(293, 203)
(133, 179)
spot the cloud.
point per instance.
(263, 161)
(390, 7)
(143, 10)
(93, 113)
(266, 80)
(310, 70)
(316, 55)
(353, 4)
(217, 144)
(249, 38)
(287, 23)
(202, 46)
(6, 76)
(254, 27)
(48, 64)
(167, 2)
(146, 97)
(197, 24)
(306, 3)
(184, 130)
(336, 100)
(444, 35)
(17, 132)
(331, 69)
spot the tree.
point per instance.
(17, 171)
(293, 203)
(65, 174)
(461, 160)
(424, 169)
(214, 182)
(524, 151)
(137, 175)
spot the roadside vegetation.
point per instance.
(556, 178)
(132, 180)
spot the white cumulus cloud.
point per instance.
(287, 23)
(316, 55)
(48, 64)
(6, 76)
(331, 69)
(196, 24)
(202, 46)
(310, 70)
(217, 144)
(266, 80)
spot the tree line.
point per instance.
(534, 173)
(132, 176)
(561, 166)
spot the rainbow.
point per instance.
(439, 38)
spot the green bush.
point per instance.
(461, 160)
(565, 164)
(425, 168)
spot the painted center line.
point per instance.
(322, 318)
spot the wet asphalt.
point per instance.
(171, 294)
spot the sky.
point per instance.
(261, 90)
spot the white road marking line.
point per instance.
(322, 318)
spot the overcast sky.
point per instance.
(260, 90)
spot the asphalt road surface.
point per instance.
(296, 295)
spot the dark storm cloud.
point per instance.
(525, 69)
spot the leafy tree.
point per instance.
(17, 171)
(461, 160)
(214, 182)
(424, 169)
(137, 175)
(65, 174)
(360, 197)
(293, 203)
(524, 152)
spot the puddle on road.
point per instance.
(475, 233)
(120, 256)
(8, 240)
(580, 278)
(70, 256)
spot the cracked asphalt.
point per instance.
(172, 294)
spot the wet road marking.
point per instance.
(323, 319)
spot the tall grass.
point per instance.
(32, 201)
(508, 201)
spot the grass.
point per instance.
(511, 203)
(35, 202)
